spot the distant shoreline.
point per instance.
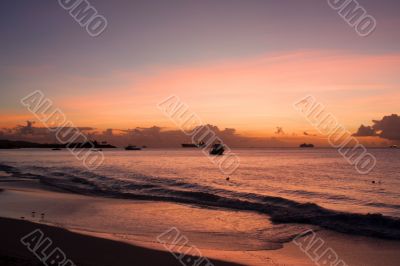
(9, 144)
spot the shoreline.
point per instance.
(34, 195)
(70, 214)
(277, 209)
(112, 252)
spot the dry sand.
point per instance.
(81, 249)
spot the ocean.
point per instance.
(302, 186)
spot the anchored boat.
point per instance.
(132, 148)
(217, 149)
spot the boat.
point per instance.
(132, 148)
(305, 145)
(393, 147)
(56, 149)
(193, 145)
(217, 149)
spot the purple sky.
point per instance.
(42, 47)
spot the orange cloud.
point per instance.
(252, 94)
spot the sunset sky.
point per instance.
(236, 64)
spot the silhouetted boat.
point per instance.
(217, 149)
(132, 148)
(393, 147)
(305, 145)
(193, 145)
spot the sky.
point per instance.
(236, 64)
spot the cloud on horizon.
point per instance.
(151, 136)
(386, 128)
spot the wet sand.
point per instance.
(103, 231)
(81, 249)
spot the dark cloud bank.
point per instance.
(152, 136)
(387, 128)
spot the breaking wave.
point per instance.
(280, 210)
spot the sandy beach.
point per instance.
(127, 233)
(90, 251)
(97, 251)
(200, 133)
